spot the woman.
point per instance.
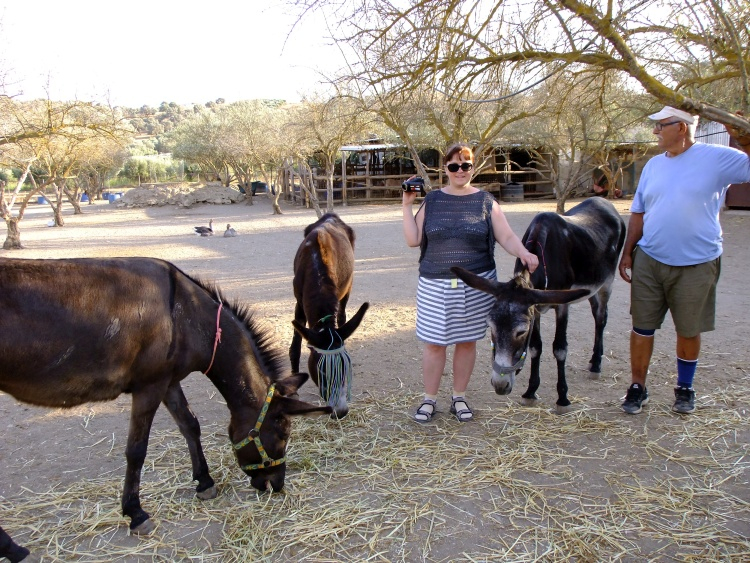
(455, 226)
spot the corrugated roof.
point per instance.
(363, 148)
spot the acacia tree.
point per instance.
(98, 160)
(425, 115)
(323, 126)
(52, 141)
(690, 54)
(585, 117)
(423, 119)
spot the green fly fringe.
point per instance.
(335, 371)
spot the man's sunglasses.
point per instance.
(660, 126)
(454, 166)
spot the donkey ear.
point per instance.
(296, 407)
(351, 325)
(303, 331)
(289, 385)
(475, 281)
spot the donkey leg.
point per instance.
(530, 398)
(10, 549)
(295, 349)
(599, 303)
(145, 403)
(190, 428)
(560, 350)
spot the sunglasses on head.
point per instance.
(454, 166)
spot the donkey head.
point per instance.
(329, 363)
(510, 320)
(260, 444)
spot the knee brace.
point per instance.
(644, 331)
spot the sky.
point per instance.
(138, 52)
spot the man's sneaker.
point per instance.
(684, 400)
(636, 397)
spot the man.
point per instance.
(673, 247)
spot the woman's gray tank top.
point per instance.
(457, 231)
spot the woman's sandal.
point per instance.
(423, 415)
(461, 414)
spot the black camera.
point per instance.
(415, 184)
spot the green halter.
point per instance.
(254, 436)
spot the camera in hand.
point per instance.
(415, 184)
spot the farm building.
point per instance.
(374, 171)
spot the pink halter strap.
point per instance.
(217, 339)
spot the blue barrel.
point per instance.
(41, 199)
(512, 191)
(84, 198)
(114, 197)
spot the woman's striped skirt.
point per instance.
(449, 311)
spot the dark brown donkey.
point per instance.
(323, 273)
(578, 254)
(74, 331)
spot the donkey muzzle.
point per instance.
(503, 381)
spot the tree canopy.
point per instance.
(690, 54)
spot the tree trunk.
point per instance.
(276, 194)
(329, 190)
(59, 221)
(73, 199)
(560, 207)
(13, 240)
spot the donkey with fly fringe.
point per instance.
(578, 254)
(323, 275)
(82, 330)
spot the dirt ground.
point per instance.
(516, 484)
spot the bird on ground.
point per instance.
(230, 232)
(205, 231)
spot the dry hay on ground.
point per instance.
(516, 484)
(375, 486)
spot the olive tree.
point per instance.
(198, 140)
(255, 142)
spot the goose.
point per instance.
(205, 231)
(230, 232)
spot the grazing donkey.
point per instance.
(578, 254)
(323, 274)
(82, 330)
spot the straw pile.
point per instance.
(517, 484)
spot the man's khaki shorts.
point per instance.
(688, 292)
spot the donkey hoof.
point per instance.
(532, 402)
(559, 409)
(207, 494)
(144, 528)
(595, 375)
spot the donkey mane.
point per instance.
(270, 357)
(522, 280)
